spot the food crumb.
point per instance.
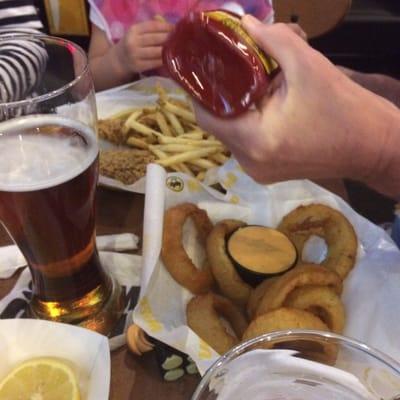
(126, 166)
(111, 130)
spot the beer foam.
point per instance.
(30, 161)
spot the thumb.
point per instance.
(277, 40)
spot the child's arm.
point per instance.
(138, 51)
(105, 66)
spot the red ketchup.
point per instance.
(217, 62)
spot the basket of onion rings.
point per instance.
(220, 268)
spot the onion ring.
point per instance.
(173, 254)
(304, 274)
(290, 318)
(281, 319)
(321, 301)
(228, 280)
(256, 295)
(137, 340)
(331, 225)
(203, 317)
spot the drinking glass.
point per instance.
(301, 365)
(48, 178)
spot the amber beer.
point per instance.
(48, 177)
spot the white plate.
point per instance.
(137, 94)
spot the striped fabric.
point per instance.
(22, 61)
(22, 64)
(19, 13)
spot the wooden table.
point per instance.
(132, 377)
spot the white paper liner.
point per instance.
(371, 292)
(88, 352)
(12, 259)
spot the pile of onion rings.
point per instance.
(226, 310)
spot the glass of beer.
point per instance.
(48, 177)
(301, 365)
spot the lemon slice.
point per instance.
(40, 379)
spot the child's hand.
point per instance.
(140, 49)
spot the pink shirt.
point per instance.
(115, 17)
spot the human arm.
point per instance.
(314, 123)
(379, 84)
(20, 51)
(138, 51)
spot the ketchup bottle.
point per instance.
(217, 62)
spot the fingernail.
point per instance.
(250, 22)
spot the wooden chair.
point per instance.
(316, 17)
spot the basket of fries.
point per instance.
(152, 121)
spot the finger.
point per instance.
(154, 26)
(149, 53)
(297, 29)
(148, 65)
(153, 39)
(276, 86)
(278, 41)
(233, 132)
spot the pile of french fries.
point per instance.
(169, 131)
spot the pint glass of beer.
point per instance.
(48, 177)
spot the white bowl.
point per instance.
(87, 351)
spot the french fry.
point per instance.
(197, 143)
(149, 110)
(192, 135)
(201, 175)
(203, 163)
(176, 148)
(179, 111)
(150, 139)
(185, 169)
(219, 158)
(136, 142)
(174, 121)
(186, 156)
(162, 94)
(143, 129)
(161, 155)
(162, 123)
(127, 124)
(123, 114)
(195, 127)
(180, 103)
(158, 153)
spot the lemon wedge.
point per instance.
(40, 379)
